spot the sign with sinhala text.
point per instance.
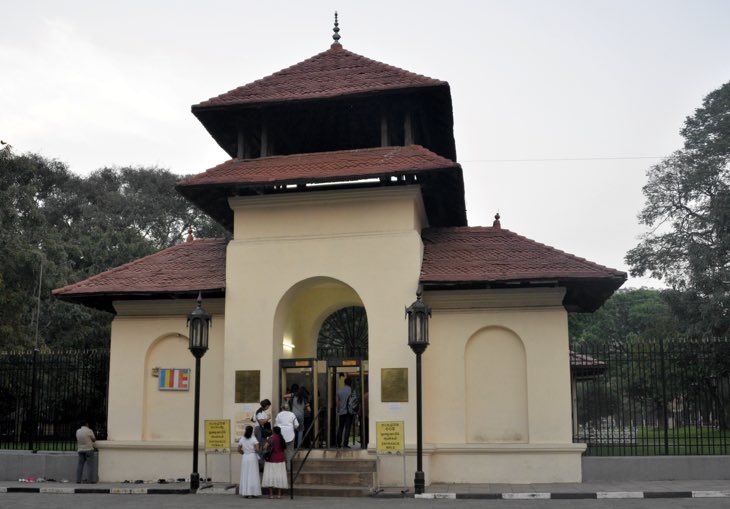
(218, 436)
(390, 437)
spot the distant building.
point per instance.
(342, 196)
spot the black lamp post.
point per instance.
(199, 322)
(418, 314)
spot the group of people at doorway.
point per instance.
(272, 445)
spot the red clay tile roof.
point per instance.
(489, 254)
(185, 268)
(584, 366)
(332, 73)
(339, 166)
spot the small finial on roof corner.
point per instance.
(190, 234)
(496, 223)
(336, 35)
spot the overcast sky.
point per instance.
(560, 106)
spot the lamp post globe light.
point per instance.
(418, 314)
(198, 323)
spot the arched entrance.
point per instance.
(324, 341)
(344, 333)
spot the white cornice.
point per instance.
(296, 238)
(326, 197)
(181, 307)
(495, 298)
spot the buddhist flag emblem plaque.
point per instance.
(174, 379)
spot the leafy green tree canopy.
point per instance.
(74, 228)
(687, 210)
(629, 316)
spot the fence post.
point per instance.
(663, 374)
(33, 413)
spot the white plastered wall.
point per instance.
(150, 431)
(516, 428)
(296, 258)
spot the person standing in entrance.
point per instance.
(262, 426)
(288, 424)
(85, 439)
(344, 416)
(299, 404)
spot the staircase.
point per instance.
(336, 473)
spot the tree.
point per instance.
(687, 209)
(629, 316)
(77, 227)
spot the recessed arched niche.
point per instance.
(163, 407)
(496, 387)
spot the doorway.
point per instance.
(334, 340)
(322, 379)
(355, 370)
(302, 373)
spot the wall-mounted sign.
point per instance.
(390, 437)
(241, 420)
(174, 379)
(248, 386)
(217, 436)
(394, 385)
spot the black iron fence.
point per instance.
(44, 396)
(662, 398)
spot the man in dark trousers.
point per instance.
(345, 418)
(85, 439)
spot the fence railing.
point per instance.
(44, 396)
(662, 398)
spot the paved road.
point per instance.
(56, 501)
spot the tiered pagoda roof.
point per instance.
(440, 178)
(332, 100)
(335, 72)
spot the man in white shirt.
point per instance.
(85, 439)
(288, 423)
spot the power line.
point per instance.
(547, 159)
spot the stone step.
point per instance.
(330, 491)
(339, 479)
(337, 453)
(337, 465)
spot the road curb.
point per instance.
(62, 490)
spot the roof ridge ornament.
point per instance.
(336, 35)
(496, 223)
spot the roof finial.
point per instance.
(496, 223)
(336, 31)
(190, 234)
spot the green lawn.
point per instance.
(650, 441)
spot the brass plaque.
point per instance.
(302, 363)
(348, 363)
(248, 386)
(394, 385)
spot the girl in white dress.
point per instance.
(250, 485)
